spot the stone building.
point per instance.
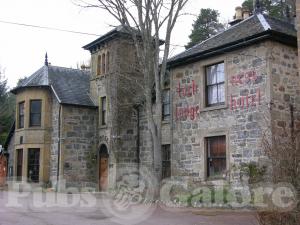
(89, 127)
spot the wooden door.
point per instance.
(3, 171)
(103, 173)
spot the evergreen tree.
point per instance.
(276, 8)
(206, 25)
(7, 108)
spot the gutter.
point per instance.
(269, 34)
(136, 107)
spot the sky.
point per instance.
(23, 48)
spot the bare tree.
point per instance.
(148, 22)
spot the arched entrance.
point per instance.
(103, 168)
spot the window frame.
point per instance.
(166, 117)
(103, 111)
(166, 163)
(21, 117)
(222, 175)
(31, 113)
(99, 64)
(103, 65)
(33, 165)
(206, 86)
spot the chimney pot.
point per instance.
(238, 13)
(246, 13)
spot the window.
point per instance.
(103, 63)
(21, 115)
(103, 110)
(33, 165)
(19, 164)
(107, 62)
(99, 65)
(166, 161)
(35, 113)
(215, 85)
(166, 104)
(216, 156)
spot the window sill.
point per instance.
(103, 127)
(218, 107)
(168, 121)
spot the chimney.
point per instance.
(238, 17)
(238, 13)
(246, 13)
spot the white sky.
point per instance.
(22, 49)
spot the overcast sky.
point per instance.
(22, 49)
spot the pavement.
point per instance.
(97, 209)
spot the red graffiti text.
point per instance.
(191, 112)
(187, 90)
(244, 102)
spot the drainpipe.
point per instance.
(136, 107)
(58, 148)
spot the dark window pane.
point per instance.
(166, 161)
(33, 165)
(103, 110)
(21, 115)
(35, 112)
(19, 164)
(166, 104)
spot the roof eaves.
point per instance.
(221, 49)
(79, 105)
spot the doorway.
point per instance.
(103, 168)
(3, 172)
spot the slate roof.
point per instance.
(70, 86)
(251, 30)
(119, 30)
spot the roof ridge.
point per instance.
(263, 21)
(231, 27)
(29, 79)
(67, 68)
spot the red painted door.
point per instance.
(103, 173)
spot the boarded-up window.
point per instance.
(99, 65)
(166, 161)
(33, 165)
(216, 156)
(107, 62)
(21, 115)
(215, 84)
(103, 63)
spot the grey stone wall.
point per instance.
(246, 77)
(54, 141)
(79, 146)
